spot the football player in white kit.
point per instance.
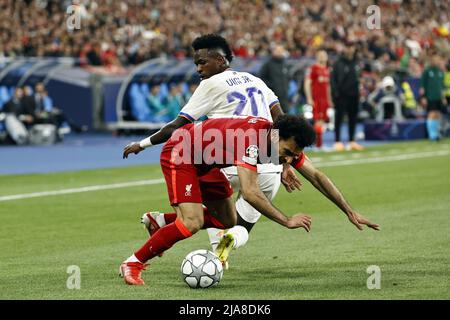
(224, 92)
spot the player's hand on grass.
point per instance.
(289, 179)
(358, 220)
(132, 147)
(299, 221)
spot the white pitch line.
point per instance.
(319, 164)
(82, 189)
(398, 157)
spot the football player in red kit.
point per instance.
(200, 193)
(318, 93)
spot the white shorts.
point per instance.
(269, 183)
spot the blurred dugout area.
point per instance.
(142, 97)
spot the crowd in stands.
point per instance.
(115, 35)
(122, 33)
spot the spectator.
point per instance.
(387, 100)
(156, 105)
(16, 106)
(345, 91)
(187, 95)
(192, 87)
(27, 101)
(43, 103)
(174, 101)
(94, 55)
(432, 92)
(275, 74)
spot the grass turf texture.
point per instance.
(410, 199)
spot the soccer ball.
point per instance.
(201, 269)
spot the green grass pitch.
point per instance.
(41, 237)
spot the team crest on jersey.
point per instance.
(251, 155)
(188, 190)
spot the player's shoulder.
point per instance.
(214, 79)
(220, 76)
(215, 82)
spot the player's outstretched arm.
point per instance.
(324, 184)
(252, 194)
(161, 136)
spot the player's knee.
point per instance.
(193, 224)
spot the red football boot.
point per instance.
(131, 273)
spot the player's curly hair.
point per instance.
(297, 127)
(213, 41)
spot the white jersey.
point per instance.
(232, 93)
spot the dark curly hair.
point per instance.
(297, 127)
(213, 41)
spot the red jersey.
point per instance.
(191, 158)
(320, 80)
(223, 142)
(219, 143)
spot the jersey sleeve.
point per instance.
(250, 159)
(298, 163)
(200, 102)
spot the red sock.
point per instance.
(209, 220)
(319, 131)
(162, 240)
(170, 217)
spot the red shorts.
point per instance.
(320, 110)
(186, 184)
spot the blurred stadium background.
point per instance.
(102, 74)
(128, 69)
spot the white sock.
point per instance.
(214, 237)
(132, 259)
(240, 235)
